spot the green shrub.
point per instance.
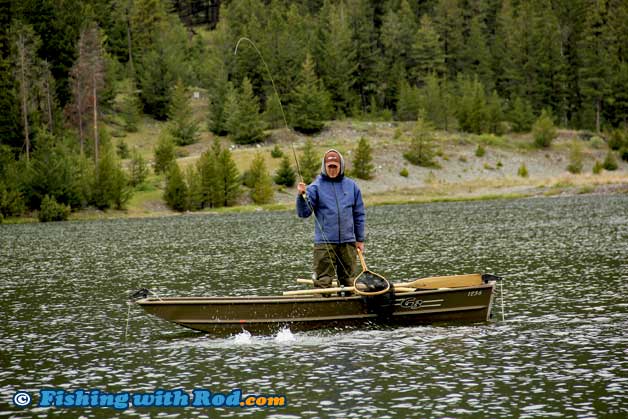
(610, 162)
(575, 158)
(51, 210)
(422, 149)
(597, 167)
(523, 170)
(623, 153)
(617, 139)
(404, 172)
(285, 175)
(276, 152)
(122, 149)
(480, 151)
(176, 192)
(544, 130)
(362, 160)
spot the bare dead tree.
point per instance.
(26, 44)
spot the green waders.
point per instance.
(341, 256)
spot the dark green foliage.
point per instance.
(262, 188)
(523, 170)
(521, 115)
(111, 186)
(51, 210)
(219, 178)
(471, 110)
(139, 169)
(363, 167)
(404, 172)
(311, 104)
(480, 151)
(617, 139)
(408, 102)
(276, 152)
(575, 158)
(309, 163)
(164, 153)
(176, 192)
(422, 149)
(244, 122)
(220, 90)
(623, 153)
(122, 149)
(285, 174)
(544, 130)
(130, 108)
(182, 126)
(610, 161)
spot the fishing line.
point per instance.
(283, 114)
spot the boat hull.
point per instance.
(229, 315)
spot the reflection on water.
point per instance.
(562, 351)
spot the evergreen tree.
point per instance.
(521, 115)
(262, 190)
(408, 103)
(436, 101)
(228, 178)
(139, 169)
(471, 109)
(130, 108)
(244, 121)
(218, 92)
(176, 192)
(311, 104)
(477, 56)
(309, 163)
(448, 22)
(422, 149)
(575, 157)
(363, 167)
(111, 186)
(164, 153)
(182, 126)
(207, 168)
(428, 56)
(335, 55)
(285, 174)
(594, 72)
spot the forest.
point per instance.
(75, 72)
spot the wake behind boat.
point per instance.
(457, 298)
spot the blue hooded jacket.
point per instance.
(337, 205)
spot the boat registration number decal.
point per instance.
(474, 293)
(411, 303)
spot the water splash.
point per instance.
(285, 336)
(243, 338)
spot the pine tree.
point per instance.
(428, 56)
(262, 190)
(408, 103)
(471, 109)
(164, 153)
(335, 55)
(228, 177)
(477, 56)
(176, 192)
(182, 126)
(218, 92)
(311, 104)
(244, 121)
(422, 149)
(285, 174)
(521, 115)
(139, 169)
(363, 167)
(111, 187)
(130, 108)
(575, 157)
(448, 20)
(309, 163)
(207, 168)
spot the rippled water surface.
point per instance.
(561, 352)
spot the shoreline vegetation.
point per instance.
(459, 175)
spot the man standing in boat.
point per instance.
(336, 202)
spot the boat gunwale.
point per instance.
(279, 299)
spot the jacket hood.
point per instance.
(342, 165)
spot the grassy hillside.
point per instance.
(462, 175)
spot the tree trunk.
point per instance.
(95, 106)
(24, 94)
(597, 115)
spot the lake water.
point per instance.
(562, 350)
